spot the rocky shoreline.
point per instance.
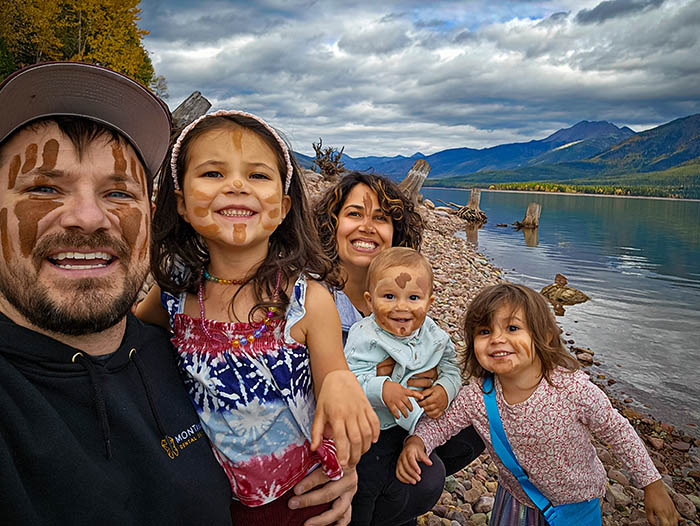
(460, 272)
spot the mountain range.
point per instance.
(661, 161)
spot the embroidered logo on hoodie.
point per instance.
(173, 445)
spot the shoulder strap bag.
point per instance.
(585, 513)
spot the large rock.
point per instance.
(563, 295)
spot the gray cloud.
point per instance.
(613, 9)
(399, 77)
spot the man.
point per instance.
(96, 427)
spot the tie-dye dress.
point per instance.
(256, 402)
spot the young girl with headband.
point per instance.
(536, 413)
(238, 270)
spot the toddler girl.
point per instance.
(548, 410)
(232, 255)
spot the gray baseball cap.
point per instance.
(93, 92)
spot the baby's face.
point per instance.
(400, 298)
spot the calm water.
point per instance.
(638, 260)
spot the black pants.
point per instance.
(382, 500)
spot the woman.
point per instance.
(358, 218)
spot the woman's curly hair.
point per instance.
(408, 224)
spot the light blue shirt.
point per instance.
(430, 346)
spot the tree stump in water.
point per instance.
(474, 199)
(192, 107)
(414, 179)
(532, 217)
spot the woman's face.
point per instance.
(364, 230)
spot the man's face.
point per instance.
(75, 230)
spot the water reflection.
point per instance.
(638, 261)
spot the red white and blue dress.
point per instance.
(256, 402)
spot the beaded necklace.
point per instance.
(221, 281)
(236, 343)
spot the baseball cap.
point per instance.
(93, 92)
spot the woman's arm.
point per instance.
(340, 402)
(150, 310)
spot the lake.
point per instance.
(637, 259)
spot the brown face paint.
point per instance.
(209, 230)
(196, 194)
(239, 233)
(367, 202)
(423, 283)
(200, 211)
(49, 155)
(236, 137)
(238, 184)
(271, 199)
(12, 173)
(130, 222)
(402, 279)
(119, 160)
(29, 213)
(30, 158)
(274, 213)
(6, 248)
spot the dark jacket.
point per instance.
(108, 441)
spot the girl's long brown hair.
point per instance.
(294, 247)
(539, 319)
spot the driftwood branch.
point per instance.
(328, 160)
(414, 179)
(192, 107)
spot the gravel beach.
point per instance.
(460, 272)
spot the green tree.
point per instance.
(103, 32)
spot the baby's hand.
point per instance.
(407, 468)
(395, 397)
(435, 401)
(659, 505)
(342, 409)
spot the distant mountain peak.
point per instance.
(588, 130)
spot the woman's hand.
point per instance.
(386, 367)
(339, 491)
(423, 380)
(396, 396)
(407, 468)
(342, 409)
(434, 401)
(659, 506)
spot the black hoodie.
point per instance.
(108, 441)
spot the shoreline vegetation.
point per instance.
(460, 272)
(582, 194)
(564, 188)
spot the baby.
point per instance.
(399, 292)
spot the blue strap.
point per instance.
(501, 446)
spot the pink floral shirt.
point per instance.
(550, 434)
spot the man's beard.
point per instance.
(93, 309)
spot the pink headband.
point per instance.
(227, 113)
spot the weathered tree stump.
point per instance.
(414, 179)
(192, 107)
(474, 199)
(532, 217)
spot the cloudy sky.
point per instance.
(388, 77)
